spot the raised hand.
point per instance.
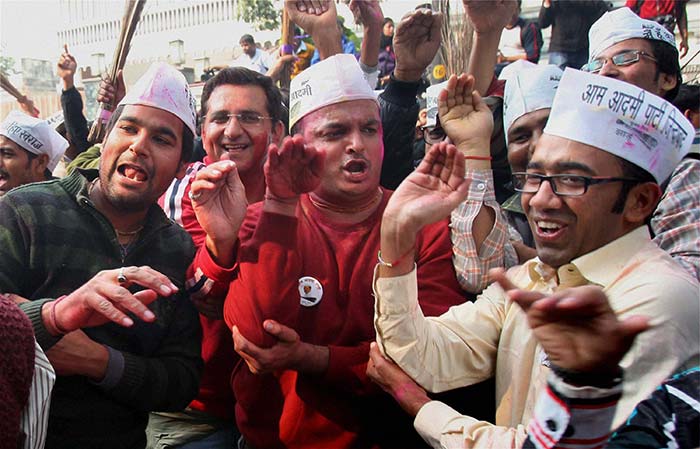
(318, 18)
(429, 193)
(293, 168)
(465, 117)
(576, 327)
(219, 202)
(105, 298)
(66, 67)
(491, 16)
(367, 12)
(416, 41)
(111, 93)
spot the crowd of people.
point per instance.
(309, 268)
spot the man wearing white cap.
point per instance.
(300, 304)
(29, 150)
(587, 196)
(104, 270)
(241, 115)
(642, 52)
(483, 236)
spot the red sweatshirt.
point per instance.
(215, 396)
(315, 276)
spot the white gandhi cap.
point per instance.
(334, 80)
(34, 135)
(163, 87)
(527, 90)
(622, 119)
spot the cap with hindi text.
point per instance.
(623, 24)
(334, 80)
(34, 135)
(622, 119)
(431, 103)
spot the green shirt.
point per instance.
(52, 241)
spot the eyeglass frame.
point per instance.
(587, 182)
(637, 54)
(238, 115)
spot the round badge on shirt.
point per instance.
(310, 291)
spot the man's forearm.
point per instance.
(482, 59)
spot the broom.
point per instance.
(7, 86)
(132, 13)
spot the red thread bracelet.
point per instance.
(398, 261)
(478, 158)
(53, 316)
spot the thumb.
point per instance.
(282, 333)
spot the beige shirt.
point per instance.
(474, 341)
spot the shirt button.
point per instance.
(481, 186)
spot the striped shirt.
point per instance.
(676, 220)
(35, 416)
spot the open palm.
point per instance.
(293, 168)
(431, 192)
(464, 116)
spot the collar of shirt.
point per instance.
(600, 267)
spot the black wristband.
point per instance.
(586, 379)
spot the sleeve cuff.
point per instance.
(403, 287)
(481, 188)
(433, 420)
(205, 263)
(115, 369)
(33, 311)
(400, 92)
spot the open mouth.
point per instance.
(133, 172)
(235, 147)
(549, 230)
(356, 166)
(547, 227)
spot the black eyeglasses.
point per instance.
(433, 134)
(624, 58)
(244, 118)
(562, 185)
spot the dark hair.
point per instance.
(30, 157)
(387, 20)
(688, 98)
(667, 57)
(247, 38)
(241, 76)
(632, 171)
(187, 135)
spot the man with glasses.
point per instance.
(241, 115)
(588, 188)
(643, 53)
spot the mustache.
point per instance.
(356, 157)
(4, 173)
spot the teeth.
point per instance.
(548, 225)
